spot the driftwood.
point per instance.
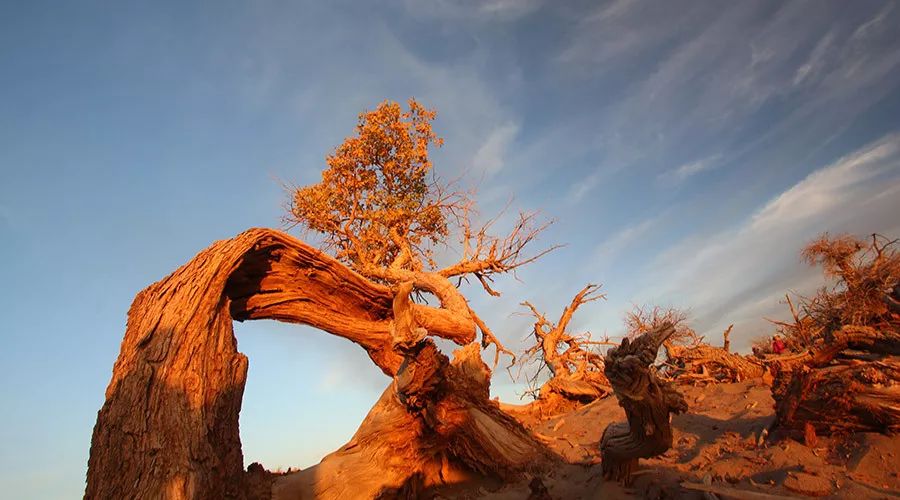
(849, 382)
(647, 400)
(169, 426)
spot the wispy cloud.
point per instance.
(491, 156)
(626, 28)
(620, 241)
(582, 187)
(740, 271)
(679, 174)
(495, 10)
(699, 76)
(509, 9)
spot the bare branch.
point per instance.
(485, 255)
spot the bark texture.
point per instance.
(169, 426)
(647, 401)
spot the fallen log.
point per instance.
(699, 361)
(714, 362)
(647, 400)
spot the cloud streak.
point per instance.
(490, 158)
(681, 173)
(736, 275)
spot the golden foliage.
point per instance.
(380, 208)
(377, 203)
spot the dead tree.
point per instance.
(866, 290)
(701, 362)
(845, 375)
(726, 342)
(576, 370)
(169, 426)
(689, 358)
(850, 382)
(647, 400)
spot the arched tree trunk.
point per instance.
(169, 426)
(647, 402)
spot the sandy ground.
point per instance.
(720, 451)
(717, 448)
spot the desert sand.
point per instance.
(720, 449)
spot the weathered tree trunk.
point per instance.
(169, 426)
(726, 343)
(583, 387)
(849, 383)
(647, 402)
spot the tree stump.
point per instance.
(647, 401)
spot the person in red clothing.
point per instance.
(777, 345)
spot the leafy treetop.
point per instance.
(377, 204)
(380, 208)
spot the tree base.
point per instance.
(421, 435)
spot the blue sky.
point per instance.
(687, 150)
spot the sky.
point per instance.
(686, 151)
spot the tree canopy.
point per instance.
(377, 203)
(380, 208)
